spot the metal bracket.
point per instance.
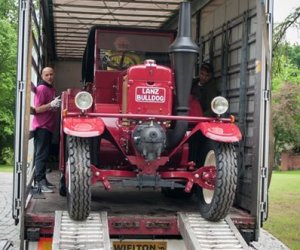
(21, 86)
(17, 203)
(23, 5)
(19, 167)
(269, 18)
(266, 94)
(263, 207)
(263, 172)
(33, 234)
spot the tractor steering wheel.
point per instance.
(121, 60)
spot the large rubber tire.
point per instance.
(79, 178)
(215, 204)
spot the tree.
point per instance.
(286, 117)
(284, 66)
(282, 50)
(8, 54)
(286, 89)
(281, 29)
(293, 52)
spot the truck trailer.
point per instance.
(125, 172)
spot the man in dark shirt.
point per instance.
(205, 88)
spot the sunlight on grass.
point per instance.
(284, 205)
(6, 168)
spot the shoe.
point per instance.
(43, 188)
(49, 184)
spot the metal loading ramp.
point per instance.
(91, 234)
(199, 233)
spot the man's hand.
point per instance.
(55, 103)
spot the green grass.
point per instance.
(6, 168)
(284, 208)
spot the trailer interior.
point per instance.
(233, 34)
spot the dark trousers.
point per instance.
(42, 143)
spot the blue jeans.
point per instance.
(42, 143)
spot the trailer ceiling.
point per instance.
(70, 20)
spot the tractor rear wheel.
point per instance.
(78, 178)
(215, 204)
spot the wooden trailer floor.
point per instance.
(120, 202)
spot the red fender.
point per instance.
(222, 132)
(83, 126)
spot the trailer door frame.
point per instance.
(265, 11)
(30, 62)
(22, 114)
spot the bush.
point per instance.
(7, 156)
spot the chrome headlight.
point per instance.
(83, 100)
(219, 105)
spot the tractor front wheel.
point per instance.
(78, 178)
(215, 204)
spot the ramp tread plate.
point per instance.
(199, 233)
(91, 234)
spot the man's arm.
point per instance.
(48, 106)
(43, 108)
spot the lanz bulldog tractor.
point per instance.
(130, 123)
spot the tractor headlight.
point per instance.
(83, 100)
(219, 105)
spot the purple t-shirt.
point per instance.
(43, 95)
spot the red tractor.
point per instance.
(130, 124)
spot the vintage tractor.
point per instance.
(130, 124)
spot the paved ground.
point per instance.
(10, 232)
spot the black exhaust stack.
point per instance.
(183, 52)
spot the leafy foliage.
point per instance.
(8, 10)
(293, 52)
(286, 117)
(284, 66)
(286, 88)
(8, 54)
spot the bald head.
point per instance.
(48, 75)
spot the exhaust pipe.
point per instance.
(183, 53)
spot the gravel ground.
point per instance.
(267, 242)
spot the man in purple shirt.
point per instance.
(43, 125)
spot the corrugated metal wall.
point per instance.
(228, 39)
